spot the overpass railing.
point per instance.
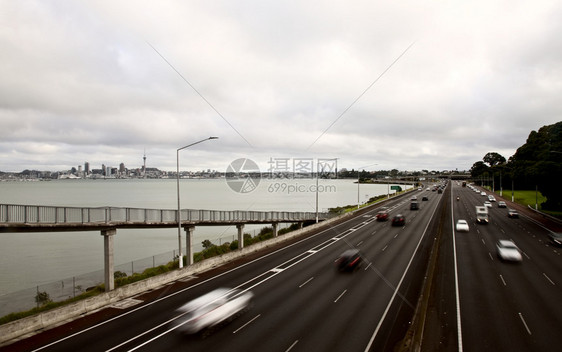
(49, 215)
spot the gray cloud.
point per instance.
(81, 83)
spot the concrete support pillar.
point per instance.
(189, 244)
(108, 263)
(240, 228)
(275, 227)
(301, 224)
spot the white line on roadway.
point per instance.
(459, 328)
(340, 296)
(549, 279)
(501, 277)
(291, 347)
(524, 323)
(249, 322)
(306, 282)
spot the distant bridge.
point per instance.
(38, 218)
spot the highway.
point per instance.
(301, 301)
(480, 303)
(506, 306)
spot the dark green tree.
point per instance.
(493, 159)
(538, 163)
(478, 169)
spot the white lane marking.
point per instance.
(126, 303)
(552, 282)
(340, 296)
(395, 235)
(484, 243)
(358, 244)
(457, 294)
(306, 282)
(490, 254)
(248, 323)
(385, 247)
(148, 331)
(293, 345)
(524, 323)
(501, 277)
(368, 266)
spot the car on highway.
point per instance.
(212, 309)
(482, 193)
(512, 213)
(398, 220)
(350, 260)
(491, 198)
(501, 204)
(487, 204)
(424, 199)
(462, 225)
(508, 251)
(382, 215)
(414, 205)
(556, 238)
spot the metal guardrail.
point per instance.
(30, 215)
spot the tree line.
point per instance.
(536, 164)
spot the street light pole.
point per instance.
(180, 256)
(358, 178)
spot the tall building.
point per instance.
(87, 168)
(144, 164)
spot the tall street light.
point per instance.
(358, 177)
(178, 191)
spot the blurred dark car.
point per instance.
(414, 206)
(349, 260)
(398, 220)
(556, 238)
(512, 213)
(382, 216)
(424, 199)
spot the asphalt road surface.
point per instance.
(301, 302)
(481, 303)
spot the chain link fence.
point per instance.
(61, 290)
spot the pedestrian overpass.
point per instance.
(39, 218)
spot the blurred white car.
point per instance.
(483, 193)
(212, 309)
(462, 225)
(487, 204)
(491, 198)
(507, 250)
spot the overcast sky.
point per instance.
(409, 85)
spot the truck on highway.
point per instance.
(482, 214)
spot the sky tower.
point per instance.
(144, 164)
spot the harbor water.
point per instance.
(32, 259)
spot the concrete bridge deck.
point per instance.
(39, 218)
